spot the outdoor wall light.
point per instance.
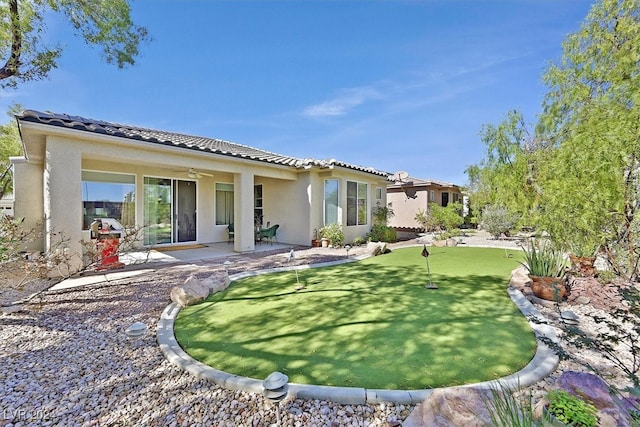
(347, 247)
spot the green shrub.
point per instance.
(382, 233)
(334, 233)
(359, 241)
(448, 234)
(440, 218)
(543, 260)
(497, 220)
(572, 410)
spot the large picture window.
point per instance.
(224, 204)
(331, 201)
(356, 203)
(108, 195)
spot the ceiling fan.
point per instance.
(194, 174)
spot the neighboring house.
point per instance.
(6, 205)
(407, 196)
(181, 188)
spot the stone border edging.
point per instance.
(544, 362)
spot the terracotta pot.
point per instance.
(583, 264)
(316, 243)
(548, 288)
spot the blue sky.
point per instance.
(395, 85)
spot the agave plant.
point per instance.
(541, 259)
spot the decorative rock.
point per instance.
(595, 390)
(193, 291)
(569, 317)
(377, 248)
(457, 406)
(582, 300)
(519, 278)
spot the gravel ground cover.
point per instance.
(67, 362)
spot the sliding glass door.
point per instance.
(169, 211)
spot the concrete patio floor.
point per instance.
(191, 254)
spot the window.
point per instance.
(456, 197)
(356, 203)
(432, 195)
(258, 214)
(157, 211)
(224, 204)
(331, 201)
(378, 193)
(108, 195)
(445, 199)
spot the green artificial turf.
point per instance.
(369, 323)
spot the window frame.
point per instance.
(326, 203)
(357, 204)
(229, 214)
(86, 177)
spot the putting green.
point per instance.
(370, 323)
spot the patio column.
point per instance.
(63, 200)
(244, 240)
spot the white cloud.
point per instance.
(343, 103)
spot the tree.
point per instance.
(9, 146)
(591, 118)
(580, 175)
(441, 218)
(103, 23)
(506, 175)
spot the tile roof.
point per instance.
(411, 181)
(211, 145)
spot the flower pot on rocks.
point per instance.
(584, 265)
(548, 288)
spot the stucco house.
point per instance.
(407, 196)
(180, 188)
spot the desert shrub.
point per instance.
(497, 220)
(382, 233)
(439, 218)
(333, 232)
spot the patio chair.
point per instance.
(231, 232)
(269, 233)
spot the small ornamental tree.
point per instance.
(497, 221)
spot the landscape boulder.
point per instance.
(445, 242)
(377, 248)
(193, 291)
(593, 389)
(520, 280)
(451, 407)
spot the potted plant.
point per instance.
(546, 268)
(582, 257)
(315, 242)
(331, 234)
(567, 409)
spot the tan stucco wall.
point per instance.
(50, 186)
(405, 208)
(28, 183)
(62, 191)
